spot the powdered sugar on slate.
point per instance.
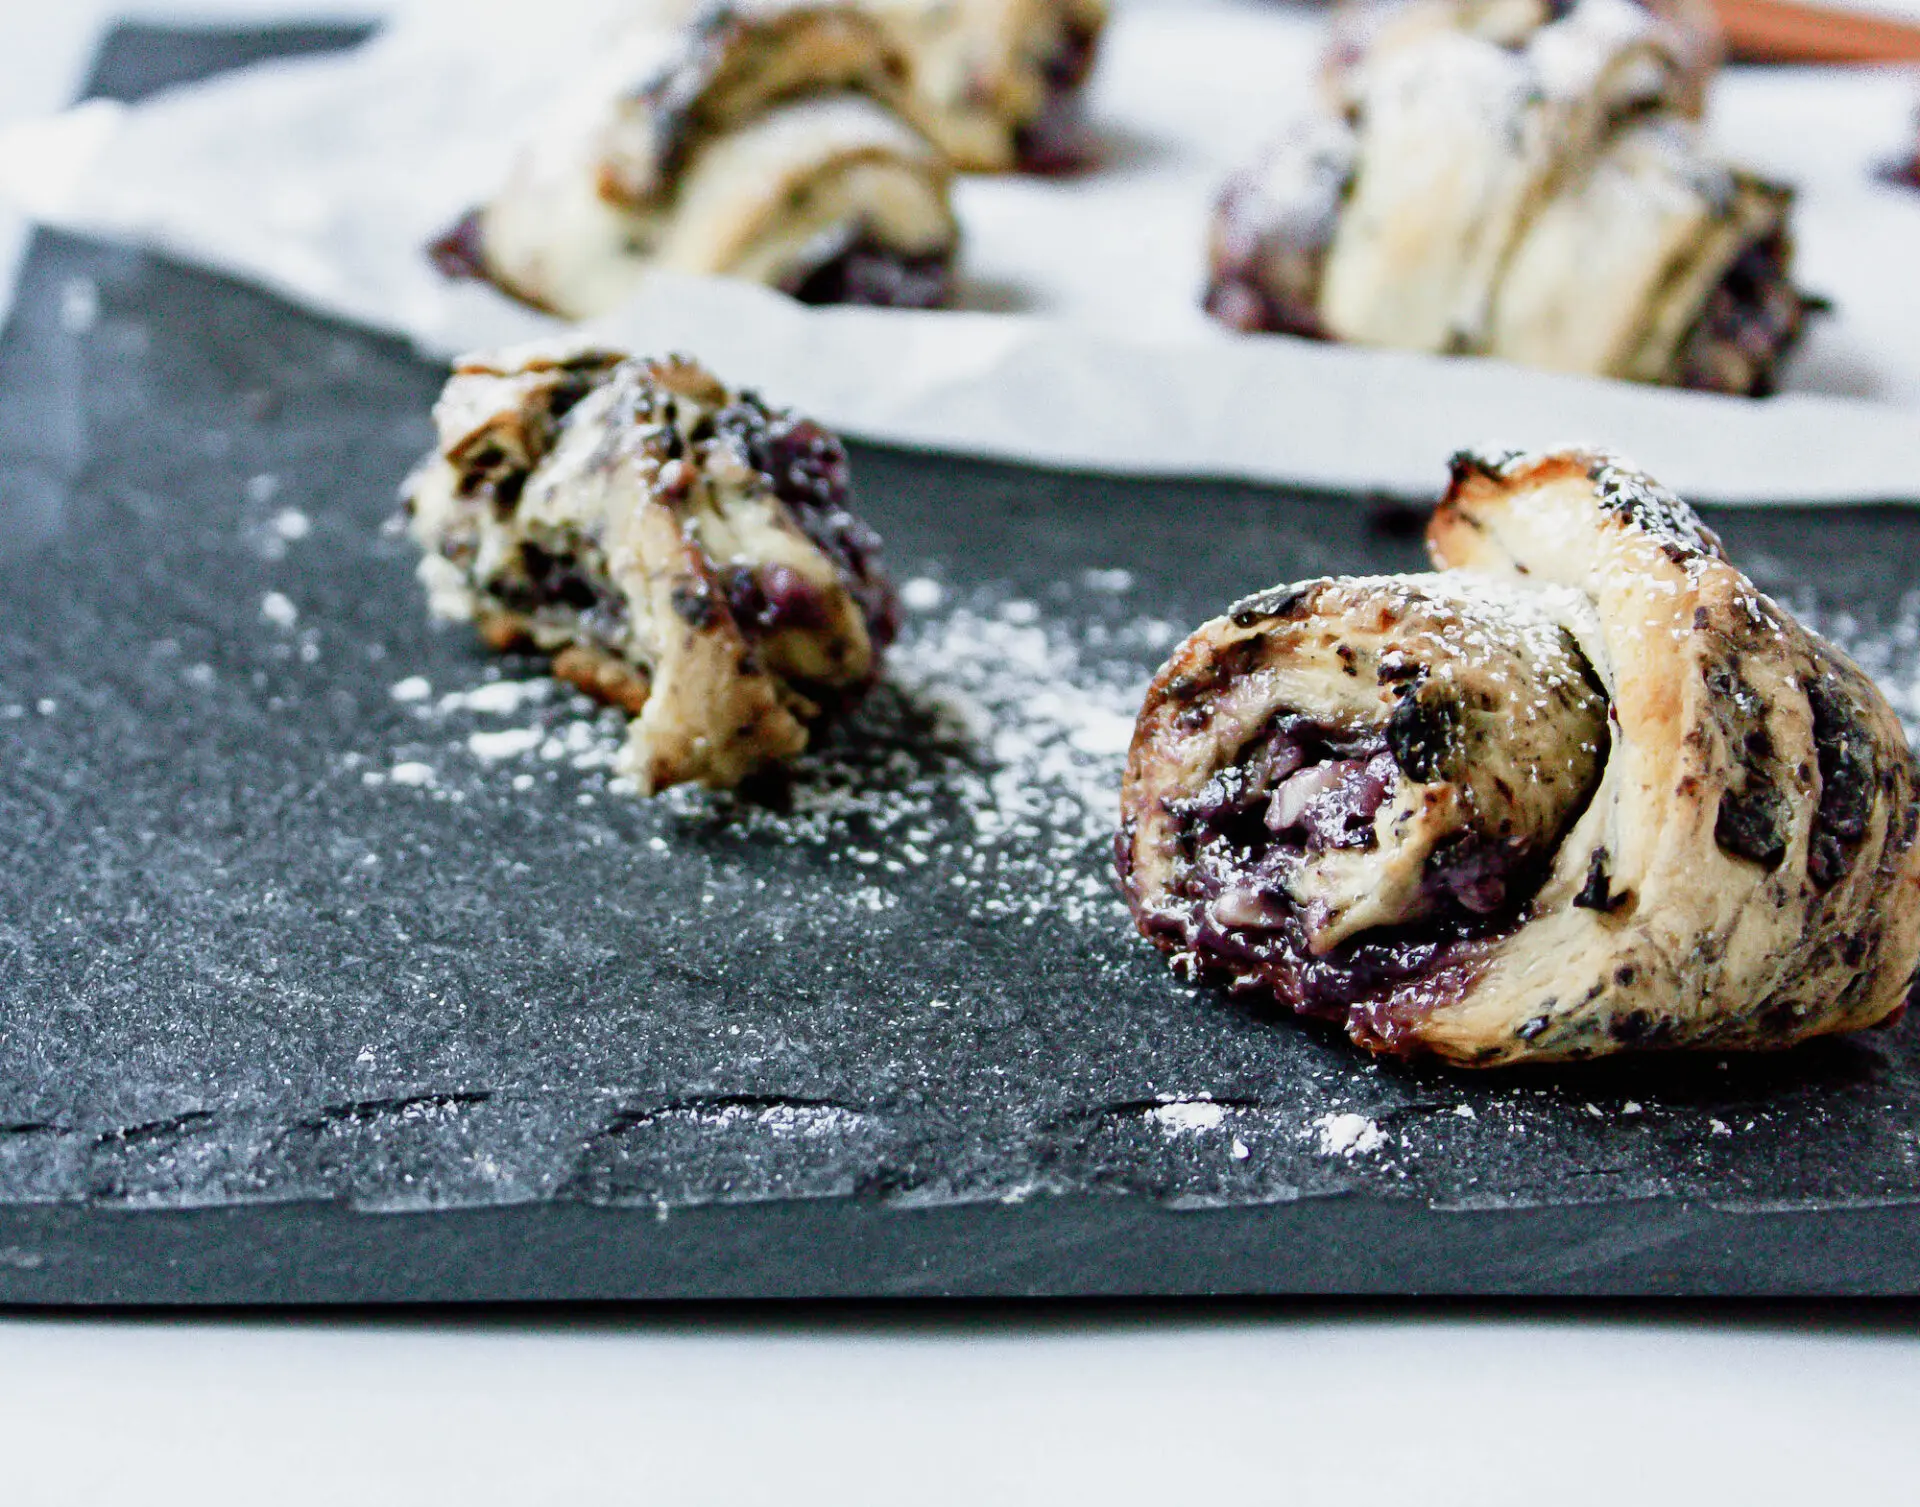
(1347, 1135)
(992, 753)
(988, 760)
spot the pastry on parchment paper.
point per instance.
(768, 141)
(682, 550)
(1583, 790)
(1682, 44)
(1000, 82)
(1550, 203)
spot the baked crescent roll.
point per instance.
(682, 550)
(1684, 44)
(762, 141)
(999, 82)
(1548, 204)
(1584, 790)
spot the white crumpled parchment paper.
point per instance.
(1081, 343)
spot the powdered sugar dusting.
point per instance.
(990, 758)
(500, 698)
(988, 761)
(1188, 1116)
(1347, 1134)
(509, 743)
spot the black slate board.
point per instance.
(269, 1032)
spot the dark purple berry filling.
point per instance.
(1057, 140)
(1303, 789)
(1267, 258)
(461, 252)
(868, 273)
(808, 468)
(567, 572)
(770, 598)
(1749, 325)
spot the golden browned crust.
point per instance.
(604, 678)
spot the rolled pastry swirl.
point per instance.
(1686, 41)
(999, 82)
(1584, 790)
(1549, 204)
(768, 141)
(682, 550)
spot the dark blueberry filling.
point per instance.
(1755, 817)
(1240, 302)
(1243, 291)
(1848, 777)
(462, 251)
(568, 574)
(1749, 325)
(808, 468)
(490, 474)
(769, 598)
(1471, 874)
(868, 273)
(1057, 140)
(1266, 260)
(1302, 789)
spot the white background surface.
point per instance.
(1176, 1405)
(1080, 341)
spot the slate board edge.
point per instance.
(1115, 1245)
(323, 1254)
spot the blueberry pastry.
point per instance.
(1683, 48)
(769, 141)
(1584, 790)
(999, 82)
(681, 550)
(1549, 204)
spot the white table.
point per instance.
(1378, 1404)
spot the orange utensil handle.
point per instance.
(1779, 31)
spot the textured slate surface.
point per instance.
(271, 1032)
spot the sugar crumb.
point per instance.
(1188, 1116)
(1348, 1135)
(508, 744)
(79, 305)
(922, 594)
